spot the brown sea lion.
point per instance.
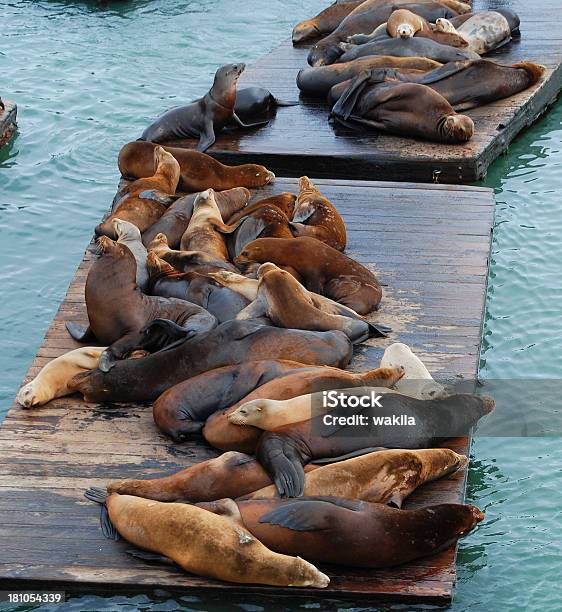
(145, 200)
(195, 287)
(183, 409)
(175, 220)
(223, 434)
(317, 82)
(422, 424)
(321, 269)
(285, 202)
(204, 117)
(201, 542)
(118, 311)
(316, 216)
(367, 535)
(325, 22)
(141, 380)
(367, 17)
(404, 109)
(198, 170)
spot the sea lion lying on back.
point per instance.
(404, 109)
(485, 31)
(204, 117)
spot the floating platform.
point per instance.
(8, 116)
(299, 140)
(429, 246)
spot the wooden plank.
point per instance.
(8, 117)
(300, 140)
(435, 275)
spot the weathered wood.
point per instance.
(299, 140)
(428, 244)
(8, 117)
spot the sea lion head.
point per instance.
(305, 184)
(106, 246)
(444, 25)
(125, 230)
(267, 267)
(159, 244)
(457, 128)
(255, 176)
(229, 73)
(405, 30)
(206, 199)
(246, 261)
(323, 54)
(305, 30)
(468, 517)
(155, 265)
(248, 413)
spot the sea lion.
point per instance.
(129, 235)
(285, 202)
(201, 542)
(283, 300)
(402, 23)
(485, 31)
(367, 17)
(183, 409)
(145, 200)
(404, 109)
(141, 380)
(407, 47)
(511, 16)
(223, 434)
(257, 103)
(202, 233)
(316, 216)
(284, 451)
(321, 268)
(175, 220)
(204, 117)
(52, 381)
(118, 311)
(165, 281)
(198, 171)
(367, 535)
(385, 476)
(417, 381)
(317, 82)
(325, 22)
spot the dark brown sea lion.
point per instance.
(118, 311)
(316, 216)
(353, 533)
(321, 268)
(423, 424)
(364, 19)
(175, 220)
(198, 170)
(204, 117)
(404, 109)
(317, 82)
(145, 200)
(325, 22)
(465, 84)
(141, 380)
(183, 409)
(195, 287)
(201, 542)
(285, 202)
(223, 434)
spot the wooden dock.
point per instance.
(7, 121)
(301, 141)
(429, 245)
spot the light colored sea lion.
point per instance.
(198, 170)
(204, 117)
(405, 109)
(367, 535)
(321, 269)
(325, 22)
(141, 380)
(129, 235)
(317, 82)
(52, 381)
(223, 434)
(204, 543)
(316, 216)
(405, 24)
(485, 31)
(145, 200)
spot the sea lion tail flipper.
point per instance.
(240, 123)
(224, 228)
(79, 332)
(298, 516)
(286, 102)
(535, 71)
(99, 496)
(158, 196)
(254, 310)
(284, 464)
(344, 107)
(447, 70)
(376, 330)
(163, 334)
(207, 137)
(149, 557)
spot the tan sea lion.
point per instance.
(52, 381)
(145, 200)
(316, 216)
(198, 170)
(402, 23)
(201, 542)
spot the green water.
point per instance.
(88, 77)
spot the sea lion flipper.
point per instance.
(254, 310)
(207, 136)
(344, 107)
(149, 557)
(240, 123)
(163, 334)
(298, 516)
(79, 332)
(99, 496)
(279, 102)
(376, 330)
(444, 71)
(158, 196)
